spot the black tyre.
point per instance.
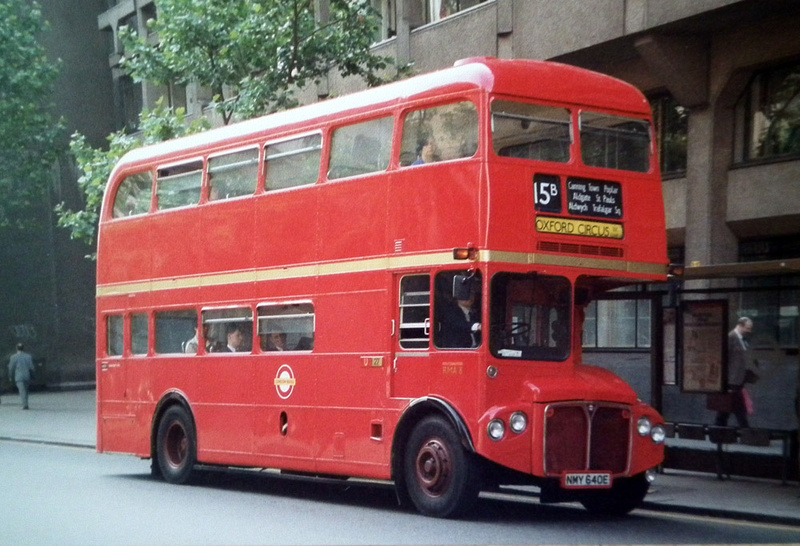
(176, 445)
(441, 478)
(625, 495)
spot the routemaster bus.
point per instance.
(389, 285)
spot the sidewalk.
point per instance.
(68, 418)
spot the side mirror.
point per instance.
(462, 287)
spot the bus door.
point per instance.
(411, 358)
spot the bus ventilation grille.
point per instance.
(586, 436)
(588, 250)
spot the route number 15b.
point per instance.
(547, 192)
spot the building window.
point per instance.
(386, 11)
(672, 128)
(771, 301)
(769, 114)
(421, 12)
(617, 324)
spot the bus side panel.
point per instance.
(354, 335)
(436, 207)
(174, 244)
(352, 218)
(285, 228)
(123, 250)
(223, 405)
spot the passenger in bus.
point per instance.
(461, 324)
(426, 151)
(236, 338)
(191, 346)
(276, 341)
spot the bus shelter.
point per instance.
(684, 366)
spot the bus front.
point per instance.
(576, 210)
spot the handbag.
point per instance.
(748, 402)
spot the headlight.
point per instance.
(518, 422)
(658, 434)
(496, 429)
(644, 426)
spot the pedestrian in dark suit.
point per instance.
(738, 374)
(20, 371)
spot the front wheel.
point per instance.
(441, 478)
(625, 495)
(176, 445)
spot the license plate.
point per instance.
(587, 480)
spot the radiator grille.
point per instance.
(585, 436)
(587, 250)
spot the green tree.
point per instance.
(28, 132)
(253, 54)
(95, 165)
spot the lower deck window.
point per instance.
(173, 329)
(228, 330)
(286, 327)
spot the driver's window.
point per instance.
(457, 308)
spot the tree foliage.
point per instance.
(28, 132)
(253, 54)
(95, 165)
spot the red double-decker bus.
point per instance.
(388, 285)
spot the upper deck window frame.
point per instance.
(587, 130)
(184, 171)
(411, 150)
(528, 121)
(210, 171)
(134, 205)
(317, 149)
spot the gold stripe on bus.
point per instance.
(642, 268)
(581, 228)
(370, 265)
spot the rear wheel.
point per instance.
(176, 445)
(441, 477)
(625, 495)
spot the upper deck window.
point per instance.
(293, 162)
(233, 175)
(134, 195)
(362, 148)
(615, 142)
(179, 185)
(440, 134)
(531, 131)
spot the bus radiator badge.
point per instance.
(284, 382)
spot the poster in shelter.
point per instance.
(703, 346)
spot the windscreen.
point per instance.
(531, 317)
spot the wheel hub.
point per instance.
(434, 467)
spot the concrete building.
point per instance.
(48, 302)
(723, 77)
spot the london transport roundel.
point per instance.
(284, 381)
